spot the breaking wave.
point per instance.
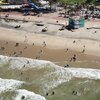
(42, 74)
(9, 84)
(27, 95)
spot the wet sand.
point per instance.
(58, 56)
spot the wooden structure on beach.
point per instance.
(76, 22)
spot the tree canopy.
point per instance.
(90, 1)
(76, 1)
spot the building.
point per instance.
(17, 1)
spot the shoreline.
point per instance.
(57, 56)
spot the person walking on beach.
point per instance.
(44, 43)
(73, 58)
(67, 50)
(83, 50)
(66, 66)
(74, 41)
(26, 39)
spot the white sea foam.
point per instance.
(85, 73)
(27, 95)
(61, 75)
(77, 72)
(9, 84)
(19, 62)
(55, 78)
(52, 78)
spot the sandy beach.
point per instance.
(56, 46)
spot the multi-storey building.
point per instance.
(17, 1)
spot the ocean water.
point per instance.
(30, 79)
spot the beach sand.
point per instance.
(58, 56)
(56, 48)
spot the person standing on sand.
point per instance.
(66, 66)
(33, 44)
(25, 47)
(83, 50)
(66, 50)
(44, 43)
(73, 58)
(74, 41)
(6, 42)
(17, 44)
(70, 59)
(84, 46)
(26, 39)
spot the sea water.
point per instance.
(30, 79)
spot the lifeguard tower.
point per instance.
(76, 22)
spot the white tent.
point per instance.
(44, 2)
